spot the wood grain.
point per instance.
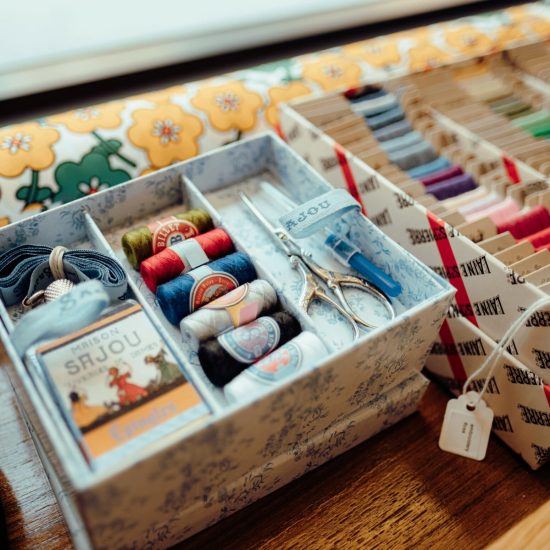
(533, 532)
(396, 490)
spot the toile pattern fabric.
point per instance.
(63, 157)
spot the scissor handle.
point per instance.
(340, 281)
(311, 291)
(335, 281)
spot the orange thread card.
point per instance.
(116, 380)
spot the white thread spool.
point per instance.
(238, 307)
(299, 354)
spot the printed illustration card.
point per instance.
(116, 380)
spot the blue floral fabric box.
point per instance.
(185, 478)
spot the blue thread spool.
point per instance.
(187, 293)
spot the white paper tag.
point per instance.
(466, 432)
(191, 254)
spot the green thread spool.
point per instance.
(142, 242)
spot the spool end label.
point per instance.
(250, 342)
(279, 364)
(231, 299)
(211, 287)
(171, 231)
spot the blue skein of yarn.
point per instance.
(187, 293)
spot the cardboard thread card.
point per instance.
(116, 379)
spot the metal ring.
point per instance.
(56, 262)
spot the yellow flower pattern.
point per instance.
(426, 56)
(283, 94)
(228, 106)
(166, 132)
(26, 146)
(89, 119)
(509, 34)
(332, 71)
(379, 53)
(167, 124)
(469, 41)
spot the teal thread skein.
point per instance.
(187, 293)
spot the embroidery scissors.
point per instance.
(313, 274)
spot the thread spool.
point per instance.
(442, 175)
(184, 256)
(376, 122)
(402, 142)
(540, 239)
(224, 357)
(187, 293)
(236, 308)
(498, 213)
(300, 354)
(483, 206)
(392, 131)
(452, 187)
(142, 242)
(415, 155)
(525, 224)
(429, 168)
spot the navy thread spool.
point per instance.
(452, 187)
(226, 356)
(187, 293)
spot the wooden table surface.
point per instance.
(397, 490)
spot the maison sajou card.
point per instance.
(116, 379)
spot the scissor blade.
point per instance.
(356, 260)
(275, 231)
(278, 195)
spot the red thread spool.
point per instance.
(540, 239)
(524, 224)
(184, 256)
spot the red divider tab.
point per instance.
(348, 176)
(449, 262)
(279, 131)
(455, 360)
(511, 169)
(547, 393)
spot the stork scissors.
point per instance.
(313, 274)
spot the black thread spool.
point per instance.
(221, 367)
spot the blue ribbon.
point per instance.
(313, 215)
(25, 269)
(70, 312)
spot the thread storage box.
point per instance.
(185, 479)
(490, 294)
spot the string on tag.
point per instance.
(492, 359)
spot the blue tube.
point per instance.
(350, 255)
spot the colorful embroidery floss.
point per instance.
(224, 357)
(234, 309)
(301, 353)
(141, 243)
(185, 256)
(524, 224)
(187, 293)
